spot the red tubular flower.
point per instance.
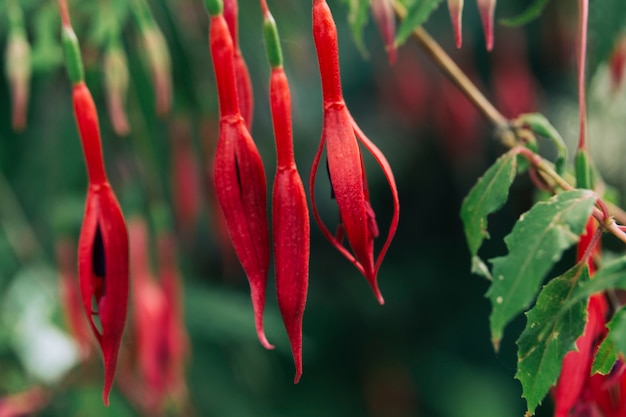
(103, 244)
(385, 18)
(18, 71)
(70, 296)
(487, 9)
(341, 135)
(239, 176)
(242, 75)
(116, 83)
(290, 214)
(617, 62)
(456, 13)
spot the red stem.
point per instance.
(65, 14)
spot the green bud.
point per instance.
(583, 170)
(73, 59)
(214, 7)
(272, 42)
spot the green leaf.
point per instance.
(607, 19)
(538, 123)
(488, 195)
(614, 343)
(357, 18)
(416, 16)
(531, 13)
(536, 243)
(609, 276)
(551, 331)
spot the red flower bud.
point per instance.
(385, 18)
(341, 136)
(290, 214)
(103, 244)
(617, 62)
(456, 15)
(487, 9)
(239, 176)
(18, 71)
(116, 83)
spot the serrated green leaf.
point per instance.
(605, 357)
(607, 19)
(551, 331)
(480, 268)
(357, 18)
(487, 196)
(540, 125)
(417, 14)
(535, 244)
(610, 276)
(528, 15)
(613, 344)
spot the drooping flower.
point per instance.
(341, 137)
(103, 243)
(290, 214)
(456, 15)
(18, 66)
(385, 18)
(487, 9)
(238, 171)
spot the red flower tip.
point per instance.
(341, 136)
(456, 14)
(487, 9)
(385, 18)
(617, 62)
(103, 274)
(239, 176)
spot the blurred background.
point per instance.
(426, 352)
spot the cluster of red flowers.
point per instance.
(240, 178)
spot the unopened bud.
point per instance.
(18, 71)
(116, 82)
(487, 9)
(617, 62)
(159, 61)
(456, 13)
(385, 18)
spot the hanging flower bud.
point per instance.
(385, 18)
(238, 171)
(157, 56)
(116, 87)
(18, 68)
(487, 9)
(103, 242)
(341, 136)
(290, 214)
(242, 75)
(617, 62)
(456, 15)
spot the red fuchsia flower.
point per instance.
(385, 18)
(242, 75)
(238, 171)
(18, 67)
(70, 296)
(341, 137)
(456, 15)
(103, 242)
(116, 86)
(290, 214)
(149, 318)
(617, 62)
(487, 9)
(578, 393)
(24, 403)
(185, 180)
(177, 340)
(514, 85)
